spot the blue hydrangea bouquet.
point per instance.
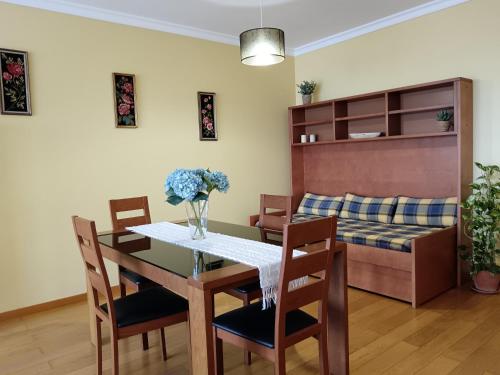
(194, 187)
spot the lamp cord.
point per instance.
(261, 14)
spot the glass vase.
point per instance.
(197, 214)
(199, 263)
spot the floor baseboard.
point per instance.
(47, 305)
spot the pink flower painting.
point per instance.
(126, 115)
(15, 96)
(206, 112)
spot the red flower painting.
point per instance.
(14, 82)
(206, 104)
(126, 115)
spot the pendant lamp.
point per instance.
(262, 46)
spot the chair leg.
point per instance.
(323, 353)
(218, 354)
(279, 362)
(188, 342)
(247, 356)
(145, 341)
(98, 346)
(123, 290)
(114, 354)
(163, 343)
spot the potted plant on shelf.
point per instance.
(444, 120)
(482, 225)
(306, 89)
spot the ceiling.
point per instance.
(308, 24)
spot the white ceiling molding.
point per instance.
(62, 6)
(381, 23)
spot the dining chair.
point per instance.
(147, 310)
(269, 223)
(127, 278)
(269, 332)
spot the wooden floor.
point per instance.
(457, 333)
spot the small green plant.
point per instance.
(444, 115)
(482, 221)
(306, 87)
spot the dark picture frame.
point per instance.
(207, 116)
(124, 94)
(14, 83)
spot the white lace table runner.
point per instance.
(266, 257)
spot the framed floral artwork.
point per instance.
(125, 99)
(206, 115)
(14, 83)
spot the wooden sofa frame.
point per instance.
(410, 158)
(416, 277)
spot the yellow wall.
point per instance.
(459, 41)
(68, 158)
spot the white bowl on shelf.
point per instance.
(364, 135)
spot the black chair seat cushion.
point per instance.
(135, 277)
(257, 325)
(248, 288)
(150, 304)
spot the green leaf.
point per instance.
(174, 200)
(200, 197)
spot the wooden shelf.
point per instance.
(361, 117)
(421, 109)
(310, 123)
(323, 103)
(382, 138)
(313, 143)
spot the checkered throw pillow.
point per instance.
(368, 208)
(321, 205)
(440, 212)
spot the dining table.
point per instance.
(199, 276)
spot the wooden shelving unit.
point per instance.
(407, 111)
(412, 157)
(391, 138)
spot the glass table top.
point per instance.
(180, 260)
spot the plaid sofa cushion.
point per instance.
(369, 233)
(368, 208)
(384, 236)
(440, 212)
(321, 205)
(300, 218)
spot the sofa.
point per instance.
(400, 247)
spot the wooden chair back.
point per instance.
(322, 232)
(86, 237)
(117, 206)
(272, 222)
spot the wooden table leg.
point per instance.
(92, 317)
(338, 329)
(200, 320)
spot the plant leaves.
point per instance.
(174, 200)
(200, 197)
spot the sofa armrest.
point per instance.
(253, 219)
(434, 264)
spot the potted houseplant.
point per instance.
(444, 118)
(482, 225)
(194, 186)
(306, 89)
